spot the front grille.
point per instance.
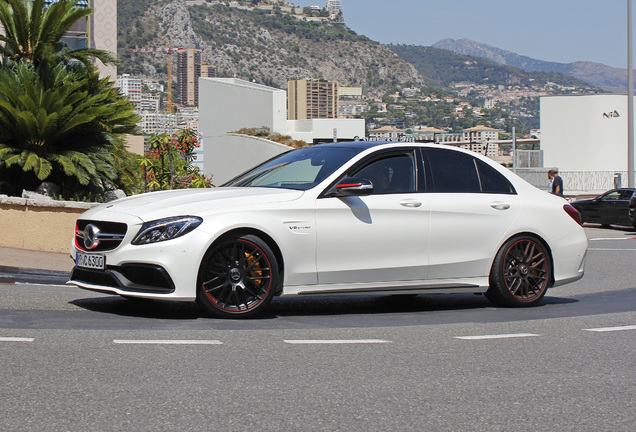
(108, 235)
(94, 277)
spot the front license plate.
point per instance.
(91, 261)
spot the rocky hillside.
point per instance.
(608, 78)
(268, 46)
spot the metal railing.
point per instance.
(576, 181)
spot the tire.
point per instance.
(237, 278)
(521, 273)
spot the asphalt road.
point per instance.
(75, 360)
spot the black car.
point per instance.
(610, 208)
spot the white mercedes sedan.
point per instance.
(355, 218)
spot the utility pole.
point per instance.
(630, 100)
(514, 149)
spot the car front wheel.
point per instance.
(520, 274)
(237, 278)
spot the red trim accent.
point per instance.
(350, 185)
(77, 245)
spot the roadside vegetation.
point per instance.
(59, 122)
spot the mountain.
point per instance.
(267, 41)
(441, 68)
(611, 79)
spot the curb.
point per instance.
(32, 276)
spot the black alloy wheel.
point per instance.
(237, 278)
(521, 273)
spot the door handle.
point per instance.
(500, 205)
(410, 203)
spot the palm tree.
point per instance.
(33, 32)
(59, 123)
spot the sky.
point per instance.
(562, 31)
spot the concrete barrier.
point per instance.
(39, 224)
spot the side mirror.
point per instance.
(353, 186)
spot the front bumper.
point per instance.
(166, 270)
(139, 278)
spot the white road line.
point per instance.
(610, 249)
(501, 336)
(167, 342)
(16, 339)
(335, 341)
(612, 238)
(612, 329)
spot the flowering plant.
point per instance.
(168, 163)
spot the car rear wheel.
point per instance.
(237, 278)
(520, 274)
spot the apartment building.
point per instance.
(312, 99)
(208, 70)
(130, 86)
(188, 74)
(149, 102)
(481, 133)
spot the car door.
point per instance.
(472, 206)
(621, 210)
(382, 237)
(607, 207)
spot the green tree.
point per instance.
(33, 33)
(59, 124)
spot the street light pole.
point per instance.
(630, 100)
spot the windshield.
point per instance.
(300, 169)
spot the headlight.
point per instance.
(166, 229)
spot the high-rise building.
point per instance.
(188, 73)
(312, 99)
(102, 32)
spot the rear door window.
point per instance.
(455, 172)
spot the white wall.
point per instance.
(229, 104)
(584, 133)
(234, 154)
(308, 130)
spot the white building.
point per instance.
(584, 133)
(229, 104)
(130, 87)
(149, 102)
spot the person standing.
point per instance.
(557, 182)
(550, 180)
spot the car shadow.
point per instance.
(626, 229)
(306, 306)
(140, 308)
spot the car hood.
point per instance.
(191, 202)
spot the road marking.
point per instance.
(610, 249)
(16, 339)
(612, 329)
(501, 336)
(167, 342)
(613, 238)
(335, 341)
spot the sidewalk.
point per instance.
(28, 259)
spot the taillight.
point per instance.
(574, 213)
